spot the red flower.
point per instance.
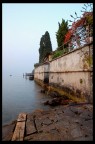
(68, 36)
(75, 25)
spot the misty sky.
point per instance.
(22, 27)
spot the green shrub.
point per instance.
(57, 54)
(36, 65)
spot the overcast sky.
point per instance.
(22, 27)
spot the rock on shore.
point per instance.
(62, 123)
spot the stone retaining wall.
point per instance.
(72, 71)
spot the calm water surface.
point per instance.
(20, 95)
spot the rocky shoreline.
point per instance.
(71, 122)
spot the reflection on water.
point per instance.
(20, 95)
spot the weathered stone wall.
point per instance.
(39, 73)
(42, 72)
(72, 72)
(77, 60)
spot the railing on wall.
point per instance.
(81, 37)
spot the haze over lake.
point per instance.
(20, 95)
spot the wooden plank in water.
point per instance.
(21, 117)
(19, 131)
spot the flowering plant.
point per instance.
(87, 19)
(68, 36)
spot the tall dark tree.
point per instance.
(60, 34)
(41, 49)
(45, 46)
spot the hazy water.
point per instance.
(20, 95)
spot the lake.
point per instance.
(20, 95)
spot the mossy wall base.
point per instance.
(63, 91)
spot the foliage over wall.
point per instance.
(36, 65)
(86, 20)
(57, 54)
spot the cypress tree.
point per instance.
(45, 46)
(60, 34)
(41, 49)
